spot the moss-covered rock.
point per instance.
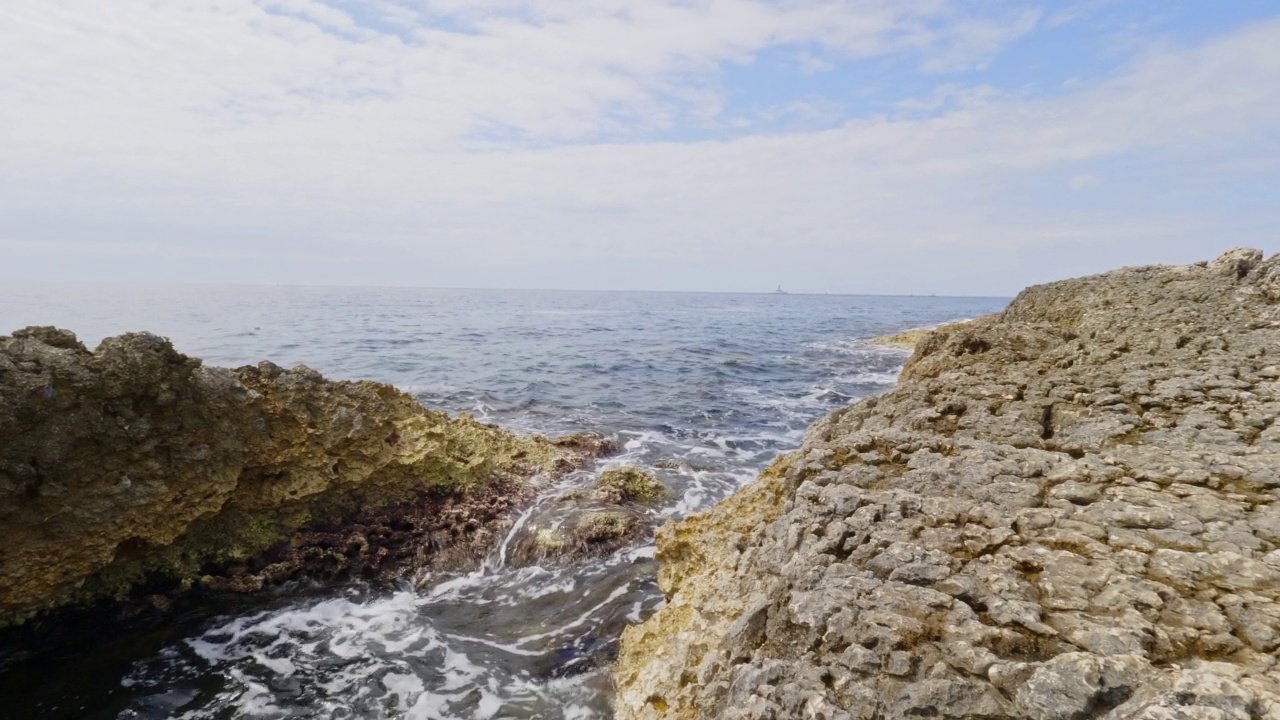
(632, 485)
(607, 526)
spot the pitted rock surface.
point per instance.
(1067, 510)
(137, 466)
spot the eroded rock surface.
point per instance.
(1064, 511)
(135, 465)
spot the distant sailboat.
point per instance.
(779, 291)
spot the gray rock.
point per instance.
(1064, 511)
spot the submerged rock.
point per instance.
(135, 466)
(569, 530)
(1064, 511)
(592, 522)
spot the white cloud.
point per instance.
(809, 64)
(1082, 181)
(974, 41)
(478, 136)
(554, 71)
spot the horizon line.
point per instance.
(224, 283)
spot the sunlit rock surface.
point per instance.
(1067, 510)
(134, 466)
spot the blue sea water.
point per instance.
(702, 389)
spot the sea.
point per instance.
(702, 389)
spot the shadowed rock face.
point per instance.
(136, 463)
(1064, 511)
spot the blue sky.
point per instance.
(827, 145)
(1069, 44)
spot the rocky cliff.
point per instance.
(135, 470)
(1067, 510)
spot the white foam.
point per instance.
(504, 647)
(580, 620)
(403, 686)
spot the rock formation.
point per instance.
(909, 339)
(134, 468)
(632, 485)
(905, 340)
(590, 522)
(1067, 510)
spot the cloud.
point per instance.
(540, 71)
(1082, 181)
(973, 42)
(547, 135)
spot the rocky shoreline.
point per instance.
(134, 474)
(1064, 511)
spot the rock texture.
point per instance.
(632, 485)
(905, 340)
(909, 339)
(1064, 511)
(134, 466)
(589, 522)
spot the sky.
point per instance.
(848, 146)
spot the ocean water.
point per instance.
(704, 390)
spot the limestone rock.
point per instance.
(1063, 511)
(632, 485)
(136, 463)
(589, 522)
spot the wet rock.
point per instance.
(604, 529)
(575, 526)
(632, 485)
(582, 448)
(1064, 511)
(135, 466)
(590, 522)
(580, 535)
(587, 444)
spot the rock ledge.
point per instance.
(1064, 511)
(134, 470)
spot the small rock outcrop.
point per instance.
(590, 522)
(1067, 510)
(909, 339)
(135, 466)
(632, 485)
(905, 340)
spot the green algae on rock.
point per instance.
(632, 485)
(136, 464)
(591, 521)
(1067, 510)
(586, 523)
